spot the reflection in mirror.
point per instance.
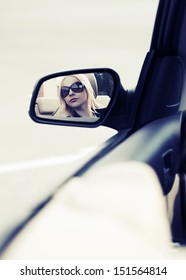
(80, 97)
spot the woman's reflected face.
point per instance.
(74, 99)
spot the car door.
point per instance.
(162, 106)
(158, 133)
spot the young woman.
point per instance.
(77, 97)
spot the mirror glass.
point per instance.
(75, 97)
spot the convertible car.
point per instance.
(127, 199)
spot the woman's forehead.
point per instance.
(69, 80)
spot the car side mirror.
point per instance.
(76, 98)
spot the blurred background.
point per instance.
(45, 36)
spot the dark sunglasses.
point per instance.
(75, 87)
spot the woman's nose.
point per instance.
(71, 92)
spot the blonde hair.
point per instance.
(92, 104)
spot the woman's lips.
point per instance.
(73, 100)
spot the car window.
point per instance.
(61, 36)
